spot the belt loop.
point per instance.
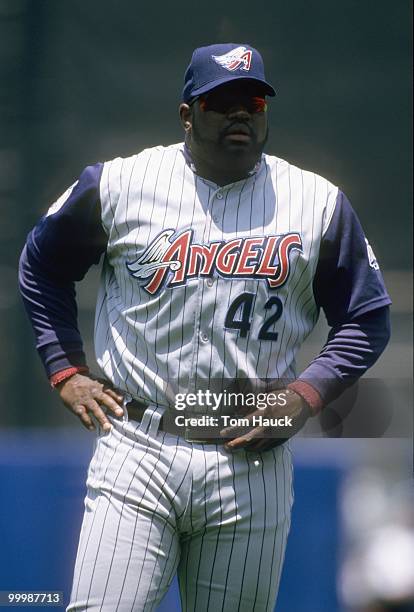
(125, 402)
(146, 419)
(151, 420)
(155, 417)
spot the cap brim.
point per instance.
(267, 88)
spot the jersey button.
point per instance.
(209, 282)
(204, 337)
(216, 218)
(219, 196)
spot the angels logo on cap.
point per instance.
(220, 63)
(234, 59)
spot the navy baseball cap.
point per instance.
(218, 64)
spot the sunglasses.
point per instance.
(223, 102)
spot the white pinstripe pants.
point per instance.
(157, 504)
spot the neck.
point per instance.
(221, 170)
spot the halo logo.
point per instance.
(236, 58)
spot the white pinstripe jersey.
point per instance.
(181, 250)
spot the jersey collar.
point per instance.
(189, 161)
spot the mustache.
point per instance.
(234, 126)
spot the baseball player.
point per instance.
(216, 261)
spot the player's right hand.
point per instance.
(86, 397)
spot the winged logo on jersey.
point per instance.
(371, 256)
(262, 257)
(152, 258)
(241, 56)
(61, 200)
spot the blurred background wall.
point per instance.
(88, 81)
(83, 81)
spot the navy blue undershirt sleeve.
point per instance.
(349, 287)
(59, 251)
(352, 347)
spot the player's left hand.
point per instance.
(261, 438)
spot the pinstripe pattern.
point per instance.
(155, 503)
(163, 495)
(135, 330)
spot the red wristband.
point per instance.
(59, 377)
(309, 394)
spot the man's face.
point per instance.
(229, 122)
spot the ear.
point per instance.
(186, 116)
